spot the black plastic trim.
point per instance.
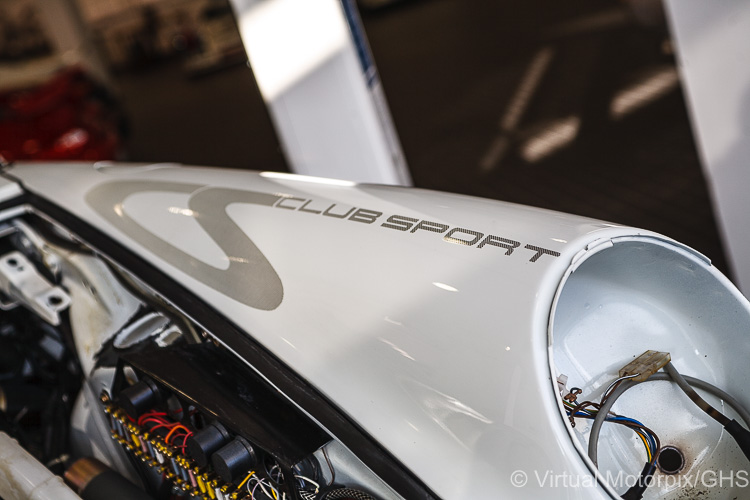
(13, 202)
(230, 392)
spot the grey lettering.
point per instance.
(497, 241)
(452, 239)
(435, 227)
(309, 210)
(281, 204)
(366, 216)
(399, 222)
(328, 212)
(539, 252)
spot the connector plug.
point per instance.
(645, 365)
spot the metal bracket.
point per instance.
(21, 282)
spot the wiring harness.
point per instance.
(160, 443)
(600, 412)
(646, 367)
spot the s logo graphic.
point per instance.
(250, 278)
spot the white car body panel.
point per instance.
(437, 349)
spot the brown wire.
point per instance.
(656, 438)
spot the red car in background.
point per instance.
(69, 117)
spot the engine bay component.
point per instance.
(210, 424)
(206, 442)
(21, 282)
(234, 461)
(222, 388)
(95, 481)
(139, 397)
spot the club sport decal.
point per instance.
(456, 235)
(250, 277)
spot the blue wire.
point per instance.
(650, 437)
(620, 419)
(625, 419)
(634, 421)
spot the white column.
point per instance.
(323, 95)
(713, 46)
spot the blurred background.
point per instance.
(575, 107)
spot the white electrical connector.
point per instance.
(562, 385)
(645, 365)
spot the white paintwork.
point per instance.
(711, 40)
(94, 316)
(439, 350)
(22, 477)
(147, 326)
(9, 189)
(34, 244)
(329, 112)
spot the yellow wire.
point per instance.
(648, 450)
(245, 480)
(640, 435)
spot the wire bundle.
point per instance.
(600, 412)
(590, 410)
(252, 482)
(177, 433)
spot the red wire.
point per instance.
(184, 442)
(175, 429)
(168, 426)
(157, 420)
(161, 424)
(151, 414)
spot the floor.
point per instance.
(571, 107)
